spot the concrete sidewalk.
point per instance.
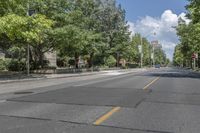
(32, 77)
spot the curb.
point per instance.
(59, 77)
(43, 78)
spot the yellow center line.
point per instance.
(106, 116)
(147, 86)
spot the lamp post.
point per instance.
(141, 49)
(117, 58)
(28, 52)
(29, 13)
(141, 53)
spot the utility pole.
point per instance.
(117, 59)
(29, 13)
(28, 52)
(153, 56)
(141, 53)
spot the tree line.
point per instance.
(189, 35)
(95, 30)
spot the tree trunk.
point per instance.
(76, 56)
(41, 60)
(90, 60)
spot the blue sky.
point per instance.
(140, 8)
(148, 16)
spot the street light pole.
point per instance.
(153, 56)
(141, 53)
(117, 59)
(28, 52)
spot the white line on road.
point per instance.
(107, 79)
(2, 101)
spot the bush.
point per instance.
(130, 65)
(110, 61)
(50, 67)
(16, 65)
(71, 62)
(2, 64)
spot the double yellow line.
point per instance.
(116, 109)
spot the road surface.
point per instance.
(165, 100)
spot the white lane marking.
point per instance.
(2, 101)
(107, 79)
(113, 73)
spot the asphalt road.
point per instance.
(165, 100)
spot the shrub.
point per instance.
(110, 61)
(50, 67)
(71, 62)
(16, 65)
(2, 64)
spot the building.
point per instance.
(52, 58)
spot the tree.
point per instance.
(114, 27)
(92, 29)
(13, 7)
(160, 57)
(133, 54)
(21, 30)
(189, 34)
(178, 58)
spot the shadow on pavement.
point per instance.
(176, 73)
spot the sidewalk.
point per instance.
(22, 77)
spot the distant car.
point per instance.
(157, 66)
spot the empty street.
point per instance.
(165, 100)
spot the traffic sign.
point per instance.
(140, 48)
(195, 56)
(152, 55)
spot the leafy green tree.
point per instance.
(13, 7)
(193, 11)
(22, 30)
(114, 27)
(133, 54)
(94, 28)
(160, 56)
(178, 56)
(189, 34)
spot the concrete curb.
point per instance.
(42, 78)
(69, 75)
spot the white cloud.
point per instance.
(131, 27)
(162, 26)
(183, 16)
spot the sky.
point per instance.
(156, 16)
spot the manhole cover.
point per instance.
(23, 92)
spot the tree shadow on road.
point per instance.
(173, 74)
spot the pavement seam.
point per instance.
(75, 104)
(137, 104)
(178, 93)
(87, 124)
(173, 103)
(25, 117)
(134, 129)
